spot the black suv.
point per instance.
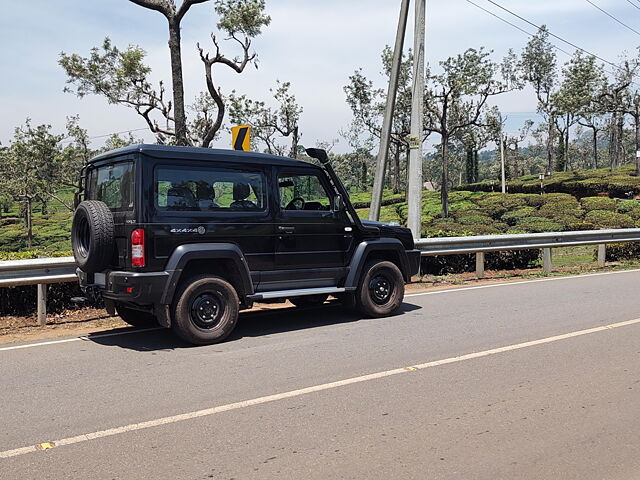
(187, 237)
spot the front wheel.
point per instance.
(206, 310)
(381, 289)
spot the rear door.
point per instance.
(206, 202)
(114, 184)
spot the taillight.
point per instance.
(137, 247)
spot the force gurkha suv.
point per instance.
(187, 237)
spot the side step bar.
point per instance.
(296, 293)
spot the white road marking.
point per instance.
(77, 339)
(303, 391)
(520, 282)
(436, 292)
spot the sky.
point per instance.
(313, 44)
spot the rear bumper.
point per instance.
(413, 260)
(129, 287)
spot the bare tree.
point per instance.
(174, 16)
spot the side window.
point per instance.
(113, 185)
(302, 192)
(202, 189)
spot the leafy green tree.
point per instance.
(583, 82)
(241, 20)
(123, 77)
(174, 17)
(367, 105)
(538, 63)
(30, 168)
(456, 99)
(270, 123)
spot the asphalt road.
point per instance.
(535, 380)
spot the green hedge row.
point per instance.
(580, 183)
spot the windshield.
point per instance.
(113, 185)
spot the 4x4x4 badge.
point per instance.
(201, 230)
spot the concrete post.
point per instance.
(602, 254)
(42, 303)
(385, 134)
(546, 260)
(480, 264)
(414, 200)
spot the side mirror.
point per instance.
(338, 203)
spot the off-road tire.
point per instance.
(376, 275)
(92, 236)
(136, 318)
(309, 300)
(205, 293)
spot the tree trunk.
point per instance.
(476, 166)
(294, 143)
(178, 86)
(396, 170)
(29, 217)
(363, 184)
(636, 120)
(550, 138)
(444, 187)
(469, 166)
(619, 140)
(566, 146)
(595, 147)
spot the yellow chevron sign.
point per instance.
(241, 137)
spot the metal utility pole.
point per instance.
(504, 181)
(414, 218)
(385, 134)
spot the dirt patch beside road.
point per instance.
(85, 321)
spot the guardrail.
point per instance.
(39, 272)
(546, 241)
(43, 271)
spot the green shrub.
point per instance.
(443, 264)
(607, 219)
(513, 216)
(629, 207)
(538, 225)
(622, 251)
(598, 203)
(497, 204)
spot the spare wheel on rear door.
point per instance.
(92, 236)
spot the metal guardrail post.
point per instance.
(602, 254)
(42, 303)
(480, 264)
(547, 264)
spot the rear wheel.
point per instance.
(381, 289)
(206, 310)
(309, 300)
(136, 318)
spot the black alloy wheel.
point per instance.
(381, 289)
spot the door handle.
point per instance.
(286, 229)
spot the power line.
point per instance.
(614, 18)
(634, 4)
(69, 140)
(531, 34)
(513, 25)
(555, 36)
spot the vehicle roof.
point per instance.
(198, 153)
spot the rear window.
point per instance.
(203, 189)
(113, 185)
